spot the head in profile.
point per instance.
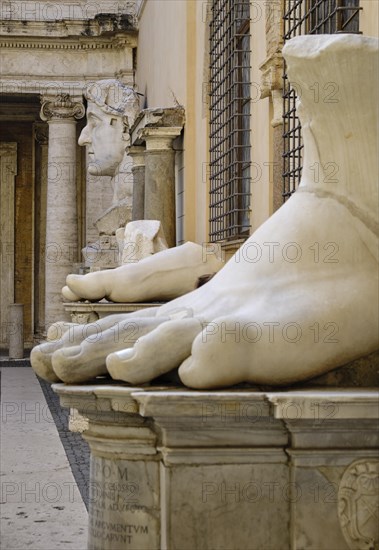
(111, 111)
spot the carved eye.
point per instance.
(113, 122)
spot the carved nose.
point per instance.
(85, 137)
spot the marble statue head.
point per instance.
(111, 111)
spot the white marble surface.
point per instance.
(339, 404)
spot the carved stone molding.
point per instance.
(272, 74)
(100, 26)
(165, 119)
(272, 84)
(137, 154)
(37, 11)
(9, 148)
(159, 139)
(61, 107)
(28, 44)
(41, 133)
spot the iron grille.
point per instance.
(308, 17)
(229, 120)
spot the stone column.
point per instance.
(160, 178)
(61, 217)
(137, 153)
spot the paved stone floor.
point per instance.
(44, 467)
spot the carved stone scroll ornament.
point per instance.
(61, 107)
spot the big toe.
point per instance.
(144, 362)
(69, 295)
(40, 359)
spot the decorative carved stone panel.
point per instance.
(358, 504)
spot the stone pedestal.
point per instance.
(173, 468)
(61, 216)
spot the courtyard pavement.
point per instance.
(44, 468)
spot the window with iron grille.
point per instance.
(308, 17)
(229, 120)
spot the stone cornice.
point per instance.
(48, 86)
(19, 10)
(158, 139)
(82, 44)
(168, 118)
(102, 25)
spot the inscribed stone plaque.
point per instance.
(123, 505)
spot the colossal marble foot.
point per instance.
(301, 295)
(162, 276)
(57, 334)
(271, 322)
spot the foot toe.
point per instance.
(155, 353)
(40, 359)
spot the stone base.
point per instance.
(224, 470)
(363, 372)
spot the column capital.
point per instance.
(159, 139)
(61, 107)
(137, 154)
